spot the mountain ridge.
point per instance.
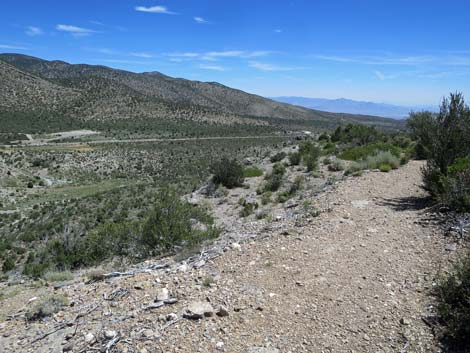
(95, 92)
(350, 106)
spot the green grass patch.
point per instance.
(252, 172)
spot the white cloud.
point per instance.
(212, 67)
(155, 9)
(200, 20)
(75, 31)
(216, 55)
(12, 47)
(33, 31)
(268, 67)
(278, 30)
(382, 77)
(142, 55)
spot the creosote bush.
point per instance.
(227, 172)
(275, 178)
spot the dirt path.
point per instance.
(354, 279)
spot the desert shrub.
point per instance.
(294, 158)
(385, 168)
(275, 178)
(327, 161)
(356, 134)
(456, 185)
(361, 152)
(266, 197)
(442, 139)
(324, 137)
(252, 172)
(170, 223)
(8, 264)
(453, 294)
(58, 276)
(336, 166)
(227, 172)
(310, 154)
(248, 209)
(355, 167)
(46, 307)
(382, 158)
(278, 157)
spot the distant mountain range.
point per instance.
(349, 106)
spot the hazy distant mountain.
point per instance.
(349, 106)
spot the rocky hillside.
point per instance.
(98, 92)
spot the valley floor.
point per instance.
(356, 278)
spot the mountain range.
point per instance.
(349, 106)
(35, 91)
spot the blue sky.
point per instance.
(403, 52)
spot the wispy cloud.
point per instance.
(380, 60)
(212, 67)
(155, 9)
(142, 55)
(75, 30)
(201, 20)
(216, 55)
(278, 30)
(33, 31)
(269, 67)
(13, 47)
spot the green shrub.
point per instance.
(248, 209)
(355, 167)
(455, 187)
(453, 294)
(58, 276)
(275, 178)
(361, 152)
(278, 157)
(336, 166)
(385, 168)
(442, 139)
(382, 158)
(252, 172)
(266, 197)
(356, 134)
(227, 172)
(294, 158)
(310, 154)
(8, 264)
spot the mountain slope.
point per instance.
(97, 93)
(349, 106)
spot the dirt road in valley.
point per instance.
(354, 279)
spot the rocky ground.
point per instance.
(355, 278)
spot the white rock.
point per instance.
(163, 294)
(90, 338)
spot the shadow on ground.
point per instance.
(409, 203)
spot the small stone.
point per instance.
(236, 246)
(90, 338)
(171, 317)
(222, 311)
(171, 301)
(67, 348)
(163, 294)
(405, 321)
(366, 337)
(451, 247)
(110, 334)
(148, 333)
(198, 310)
(219, 345)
